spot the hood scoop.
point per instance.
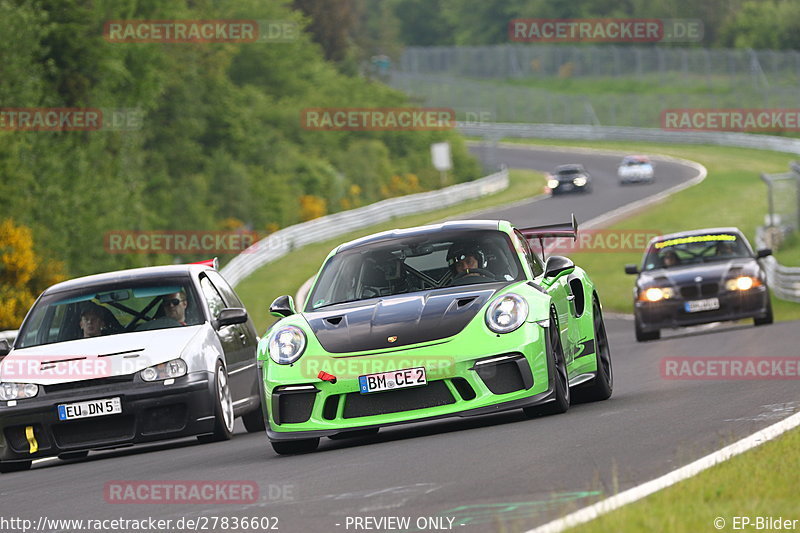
(334, 320)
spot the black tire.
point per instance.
(66, 456)
(293, 447)
(223, 408)
(561, 379)
(16, 466)
(601, 387)
(254, 421)
(644, 336)
(768, 318)
(354, 434)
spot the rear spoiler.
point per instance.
(552, 231)
(213, 263)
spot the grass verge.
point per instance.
(287, 274)
(758, 483)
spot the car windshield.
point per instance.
(109, 310)
(569, 172)
(409, 264)
(635, 162)
(694, 249)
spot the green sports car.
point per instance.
(456, 319)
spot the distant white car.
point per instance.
(635, 169)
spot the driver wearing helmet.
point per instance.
(464, 259)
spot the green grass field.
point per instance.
(759, 482)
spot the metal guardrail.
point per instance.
(612, 133)
(784, 280)
(321, 229)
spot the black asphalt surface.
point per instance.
(494, 473)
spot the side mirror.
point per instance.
(5, 347)
(557, 264)
(764, 252)
(231, 315)
(631, 269)
(282, 306)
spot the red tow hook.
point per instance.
(324, 376)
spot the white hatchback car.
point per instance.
(127, 357)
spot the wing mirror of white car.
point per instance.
(230, 316)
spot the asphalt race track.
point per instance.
(493, 473)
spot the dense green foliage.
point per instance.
(221, 139)
(728, 23)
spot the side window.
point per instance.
(227, 292)
(215, 302)
(533, 260)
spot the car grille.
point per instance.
(163, 419)
(18, 440)
(700, 291)
(434, 394)
(506, 376)
(109, 429)
(292, 407)
(86, 383)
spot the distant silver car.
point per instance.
(635, 169)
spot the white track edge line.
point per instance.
(638, 492)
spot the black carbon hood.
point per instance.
(409, 318)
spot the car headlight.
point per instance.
(169, 370)
(18, 391)
(286, 345)
(656, 294)
(552, 183)
(507, 313)
(742, 283)
(579, 181)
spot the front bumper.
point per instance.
(671, 313)
(515, 375)
(150, 411)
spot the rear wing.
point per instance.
(551, 231)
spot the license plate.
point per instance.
(702, 305)
(107, 406)
(567, 186)
(396, 379)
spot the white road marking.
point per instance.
(692, 469)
